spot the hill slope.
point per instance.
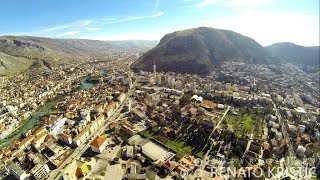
(296, 54)
(57, 51)
(199, 50)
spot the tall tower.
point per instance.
(154, 70)
(129, 105)
(254, 81)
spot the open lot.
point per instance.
(155, 151)
(178, 146)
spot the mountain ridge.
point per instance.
(199, 50)
(57, 51)
(291, 52)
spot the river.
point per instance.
(30, 122)
(85, 84)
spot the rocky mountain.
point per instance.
(13, 49)
(290, 52)
(199, 50)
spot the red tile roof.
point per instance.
(98, 141)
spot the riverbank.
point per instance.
(27, 124)
(31, 121)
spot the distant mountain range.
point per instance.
(197, 50)
(293, 53)
(17, 49)
(200, 50)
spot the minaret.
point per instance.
(129, 105)
(254, 81)
(154, 70)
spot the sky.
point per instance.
(266, 21)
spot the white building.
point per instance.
(57, 125)
(193, 86)
(99, 144)
(17, 171)
(172, 82)
(85, 115)
(40, 171)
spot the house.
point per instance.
(65, 138)
(39, 139)
(128, 153)
(208, 104)
(82, 168)
(40, 131)
(99, 144)
(110, 108)
(25, 142)
(186, 164)
(121, 97)
(169, 165)
(81, 136)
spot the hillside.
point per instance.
(14, 49)
(10, 64)
(295, 54)
(199, 50)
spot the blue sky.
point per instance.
(267, 21)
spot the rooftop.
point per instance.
(98, 141)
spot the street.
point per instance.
(57, 173)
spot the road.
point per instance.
(284, 131)
(57, 173)
(206, 156)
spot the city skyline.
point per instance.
(266, 21)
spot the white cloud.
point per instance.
(69, 33)
(271, 27)
(73, 25)
(92, 29)
(74, 28)
(131, 18)
(156, 6)
(239, 4)
(205, 3)
(235, 4)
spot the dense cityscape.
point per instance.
(97, 119)
(160, 90)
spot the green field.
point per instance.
(242, 125)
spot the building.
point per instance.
(128, 152)
(122, 97)
(82, 168)
(208, 104)
(99, 144)
(65, 138)
(172, 82)
(25, 142)
(156, 152)
(40, 171)
(57, 125)
(39, 139)
(82, 136)
(17, 171)
(158, 82)
(207, 88)
(186, 164)
(85, 115)
(193, 86)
